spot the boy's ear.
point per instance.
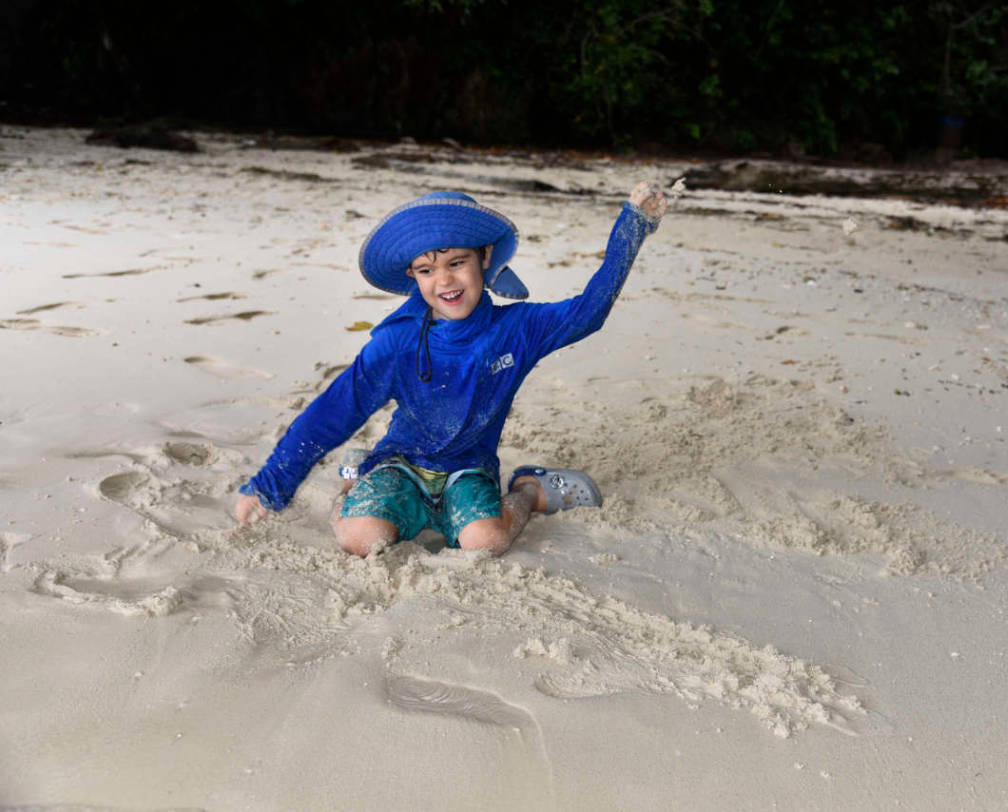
(409, 272)
(487, 253)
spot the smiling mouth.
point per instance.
(451, 296)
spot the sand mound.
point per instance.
(767, 461)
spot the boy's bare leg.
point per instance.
(359, 535)
(496, 535)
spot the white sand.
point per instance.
(793, 598)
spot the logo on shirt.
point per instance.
(504, 362)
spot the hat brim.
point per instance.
(431, 223)
(506, 283)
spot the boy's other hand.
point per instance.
(651, 202)
(248, 509)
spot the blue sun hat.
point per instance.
(440, 220)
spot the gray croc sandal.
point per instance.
(565, 488)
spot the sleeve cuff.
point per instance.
(650, 223)
(248, 489)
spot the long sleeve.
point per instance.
(558, 324)
(329, 421)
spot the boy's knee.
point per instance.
(360, 535)
(485, 534)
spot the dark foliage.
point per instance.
(858, 78)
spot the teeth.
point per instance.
(451, 296)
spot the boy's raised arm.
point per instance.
(561, 323)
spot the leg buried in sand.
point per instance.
(362, 535)
(497, 535)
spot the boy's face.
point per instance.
(451, 279)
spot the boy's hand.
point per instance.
(248, 508)
(652, 203)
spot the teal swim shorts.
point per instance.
(414, 499)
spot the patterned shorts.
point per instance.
(397, 494)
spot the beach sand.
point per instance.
(794, 596)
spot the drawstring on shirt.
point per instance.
(425, 375)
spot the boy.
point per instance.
(453, 362)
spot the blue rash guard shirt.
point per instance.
(454, 420)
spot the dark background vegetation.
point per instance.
(869, 80)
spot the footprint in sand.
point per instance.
(450, 699)
(505, 721)
(181, 508)
(130, 580)
(122, 488)
(222, 369)
(191, 453)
